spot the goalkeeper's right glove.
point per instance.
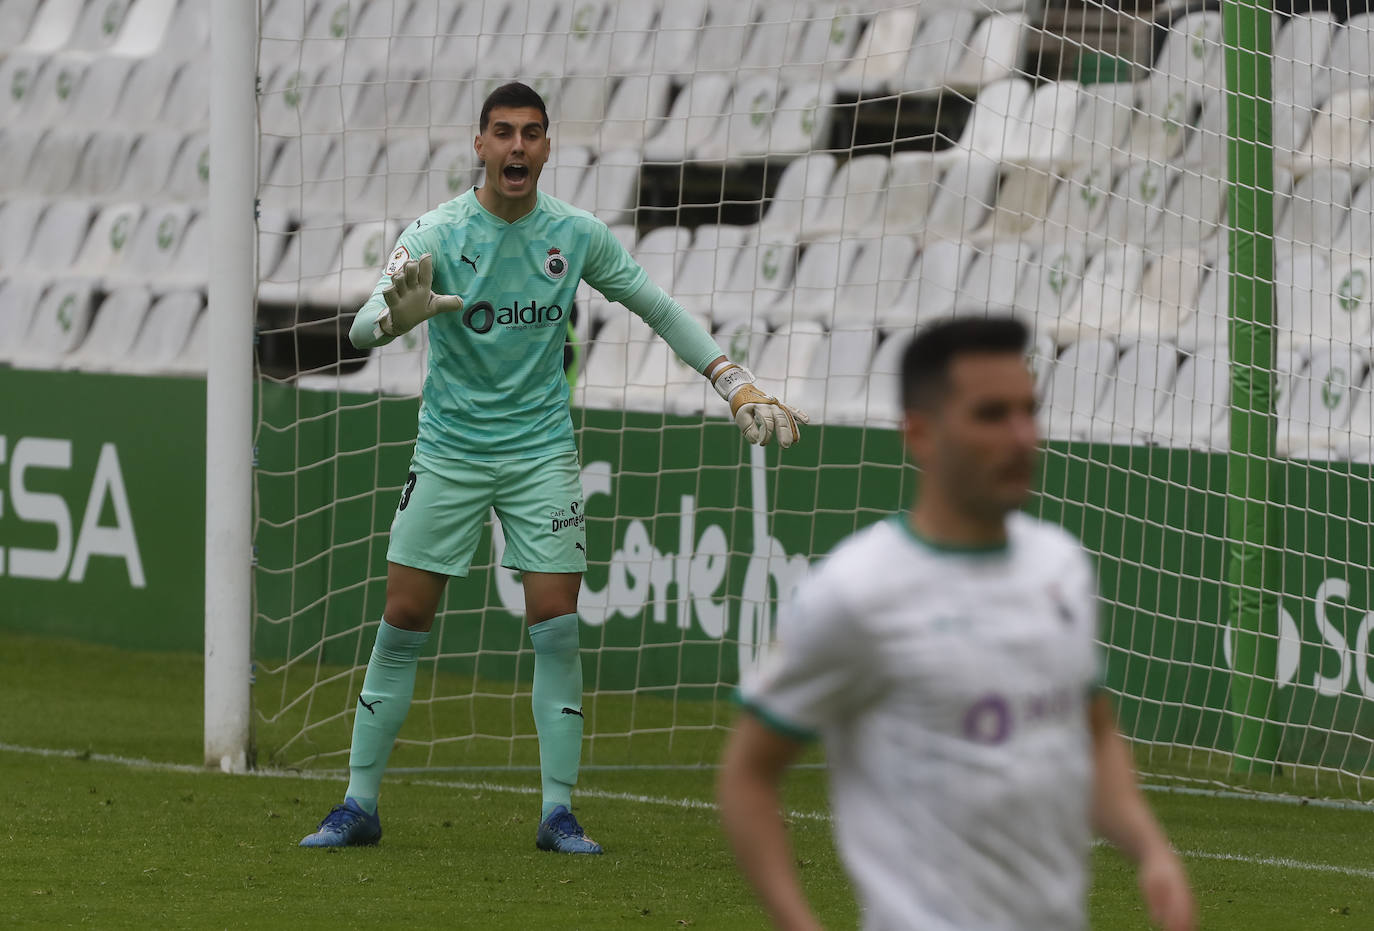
(410, 300)
(758, 415)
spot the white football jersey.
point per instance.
(950, 690)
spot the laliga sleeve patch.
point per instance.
(398, 260)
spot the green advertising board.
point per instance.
(692, 536)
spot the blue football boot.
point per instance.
(561, 833)
(346, 825)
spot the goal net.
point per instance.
(813, 179)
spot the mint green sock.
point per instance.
(382, 707)
(557, 705)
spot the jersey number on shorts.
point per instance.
(405, 492)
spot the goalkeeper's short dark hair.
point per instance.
(926, 362)
(513, 94)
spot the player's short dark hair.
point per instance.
(513, 94)
(926, 362)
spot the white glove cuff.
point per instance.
(730, 379)
(385, 324)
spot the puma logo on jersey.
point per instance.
(372, 708)
(472, 262)
(567, 710)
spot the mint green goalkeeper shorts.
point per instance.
(444, 505)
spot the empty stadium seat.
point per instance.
(762, 274)
(162, 345)
(110, 235)
(674, 41)
(720, 46)
(836, 386)
(910, 189)
(114, 330)
(636, 109)
(1300, 75)
(18, 220)
(1316, 424)
(60, 322)
(696, 112)
(1168, 290)
(853, 200)
(933, 288)
(15, 18)
(398, 368)
(610, 188)
(821, 270)
(1135, 391)
(880, 57)
(633, 38)
(882, 405)
(58, 235)
(659, 253)
(1195, 415)
(799, 194)
(993, 52)
(19, 297)
(875, 285)
(936, 49)
(1050, 282)
(787, 359)
(54, 24)
(709, 265)
(355, 271)
(747, 128)
(613, 360)
(1075, 389)
(309, 255)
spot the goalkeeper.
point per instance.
(494, 271)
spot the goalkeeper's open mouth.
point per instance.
(516, 175)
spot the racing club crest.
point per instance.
(555, 265)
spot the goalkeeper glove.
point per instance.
(410, 300)
(758, 415)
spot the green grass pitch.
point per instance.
(128, 831)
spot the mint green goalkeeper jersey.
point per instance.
(495, 387)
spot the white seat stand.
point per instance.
(1076, 389)
(821, 270)
(1316, 423)
(787, 361)
(114, 331)
(936, 49)
(1195, 416)
(934, 286)
(879, 60)
(696, 112)
(19, 297)
(398, 368)
(617, 351)
(835, 389)
(853, 201)
(165, 336)
(1135, 393)
(882, 404)
(708, 267)
(610, 188)
(60, 323)
(58, 238)
(799, 194)
(110, 236)
(875, 283)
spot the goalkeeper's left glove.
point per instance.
(410, 300)
(758, 415)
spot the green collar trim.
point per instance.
(952, 549)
